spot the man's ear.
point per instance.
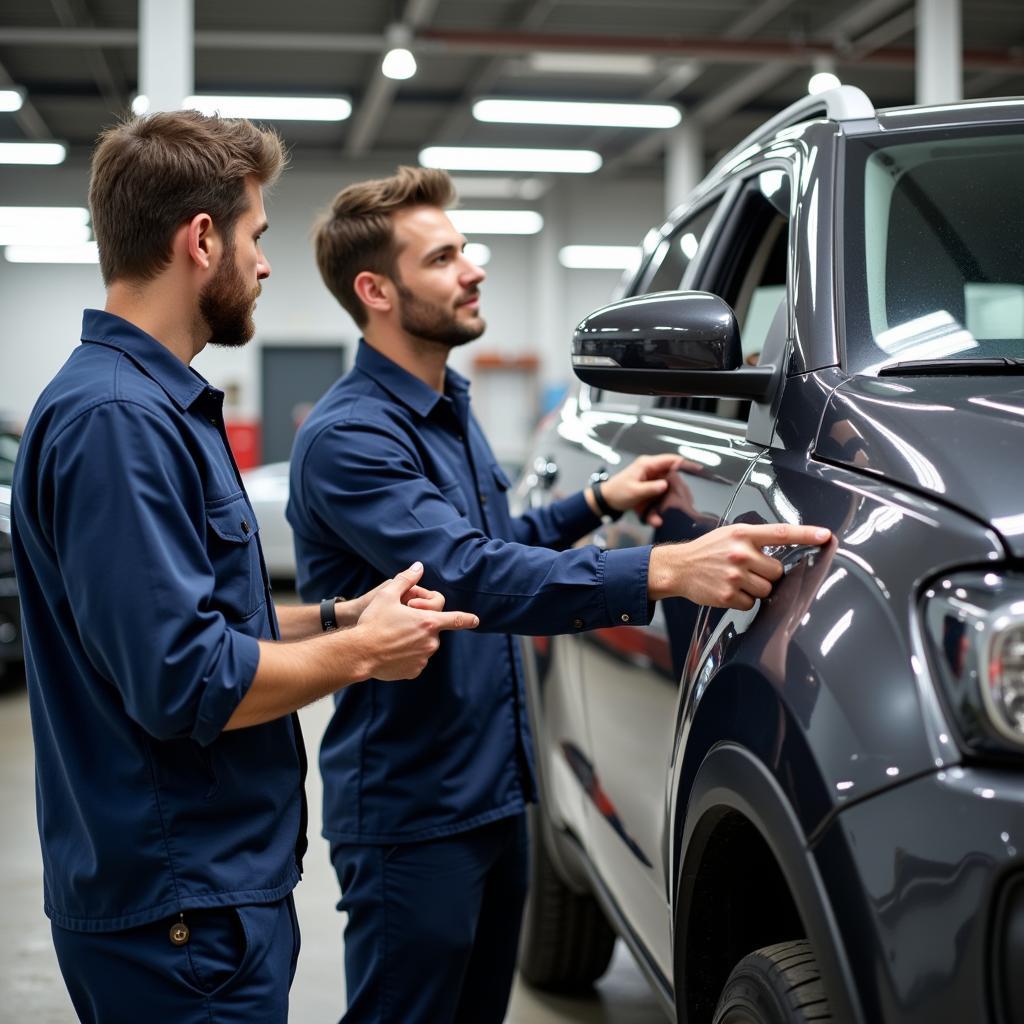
(201, 239)
(375, 291)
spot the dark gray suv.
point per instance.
(813, 810)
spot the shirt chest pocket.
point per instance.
(234, 553)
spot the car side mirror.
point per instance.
(668, 343)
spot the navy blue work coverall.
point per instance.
(426, 781)
(143, 598)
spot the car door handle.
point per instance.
(545, 469)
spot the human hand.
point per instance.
(414, 597)
(642, 482)
(399, 637)
(726, 568)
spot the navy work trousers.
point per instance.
(235, 968)
(433, 927)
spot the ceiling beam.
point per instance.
(373, 110)
(29, 119)
(75, 14)
(434, 42)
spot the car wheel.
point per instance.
(778, 984)
(566, 944)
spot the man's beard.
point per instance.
(423, 319)
(226, 304)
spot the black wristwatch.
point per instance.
(328, 618)
(608, 514)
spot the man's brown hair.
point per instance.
(152, 174)
(357, 232)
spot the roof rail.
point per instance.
(844, 103)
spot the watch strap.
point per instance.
(328, 614)
(607, 512)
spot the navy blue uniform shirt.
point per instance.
(143, 594)
(385, 472)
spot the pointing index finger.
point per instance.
(774, 534)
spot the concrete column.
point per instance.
(939, 52)
(684, 162)
(550, 285)
(166, 52)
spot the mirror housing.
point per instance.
(668, 343)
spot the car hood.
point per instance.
(960, 439)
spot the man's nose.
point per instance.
(473, 274)
(263, 268)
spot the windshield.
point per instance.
(934, 248)
(8, 450)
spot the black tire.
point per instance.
(566, 943)
(778, 984)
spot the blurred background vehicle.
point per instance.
(11, 656)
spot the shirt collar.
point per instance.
(401, 384)
(182, 384)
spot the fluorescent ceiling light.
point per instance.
(591, 63)
(32, 152)
(496, 222)
(11, 99)
(571, 112)
(479, 158)
(822, 81)
(86, 252)
(273, 108)
(499, 188)
(478, 253)
(399, 64)
(599, 257)
(44, 234)
(43, 215)
(262, 108)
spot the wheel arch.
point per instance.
(738, 817)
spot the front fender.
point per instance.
(731, 779)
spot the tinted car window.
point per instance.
(676, 252)
(935, 265)
(748, 268)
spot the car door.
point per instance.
(631, 675)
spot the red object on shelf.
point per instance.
(246, 442)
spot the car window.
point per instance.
(748, 267)
(675, 253)
(934, 267)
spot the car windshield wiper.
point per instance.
(953, 367)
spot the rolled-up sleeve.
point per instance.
(365, 485)
(128, 527)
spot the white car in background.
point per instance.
(267, 487)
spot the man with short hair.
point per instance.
(169, 763)
(431, 856)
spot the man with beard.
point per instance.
(431, 855)
(169, 763)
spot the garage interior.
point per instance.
(406, 78)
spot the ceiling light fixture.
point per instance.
(548, 62)
(32, 153)
(496, 222)
(599, 257)
(480, 158)
(86, 252)
(478, 253)
(572, 112)
(499, 188)
(399, 64)
(262, 108)
(45, 215)
(44, 234)
(11, 100)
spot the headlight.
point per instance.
(974, 622)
